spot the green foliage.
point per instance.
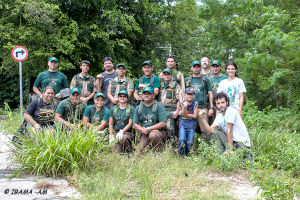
(273, 185)
(59, 152)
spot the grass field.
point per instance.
(100, 174)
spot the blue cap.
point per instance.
(53, 59)
(75, 89)
(99, 94)
(189, 90)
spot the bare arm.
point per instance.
(137, 96)
(102, 126)
(31, 121)
(36, 91)
(85, 121)
(210, 111)
(241, 99)
(59, 119)
(156, 91)
(229, 127)
(208, 129)
(128, 126)
(111, 126)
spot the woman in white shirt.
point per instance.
(234, 87)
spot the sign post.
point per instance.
(20, 54)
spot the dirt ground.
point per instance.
(28, 186)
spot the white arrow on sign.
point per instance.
(19, 53)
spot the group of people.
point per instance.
(167, 107)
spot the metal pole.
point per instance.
(21, 91)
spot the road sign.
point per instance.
(19, 53)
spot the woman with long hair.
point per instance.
(234, 87)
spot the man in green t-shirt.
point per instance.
(217, 76)
(85, 82)
(120, 123)
(150, 120)
(97, 115)
(147, 80)
(203, 93)
(51, 77)
(69, 111)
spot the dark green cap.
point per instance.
(147, 63)
(215, 62)
(196, 62)
(121, 64)
(123, 92)
(99, 94)
(168, 70)
(53, 59)
(75, 89)
(148, 89)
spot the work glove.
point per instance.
(111, 139)
(119, 135)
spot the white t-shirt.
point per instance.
(233, 89)
(239, 130)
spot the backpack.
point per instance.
(93, 110)
(154, 108)
(204, 83)
(127, 111)
(114, 85)
(151, 81)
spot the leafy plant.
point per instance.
(58, 153)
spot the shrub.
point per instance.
(58, 153)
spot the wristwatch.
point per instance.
(148, 129)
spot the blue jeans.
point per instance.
(186, 138)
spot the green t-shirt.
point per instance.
(216, 82)
(120, 118)
(57, 80)
(96, 116)
(146, 117)
(201, 86)
(147, 82)
(71, 113)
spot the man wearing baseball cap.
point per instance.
(177, 75)
(170, 98)
(217, 76)
(85, 82)
(150, 121)
(120, 123)
(203, 93)
(147, 80)
(97, 115)
(119, 83)
(69, 111)
(51, 77)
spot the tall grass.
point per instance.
(58, 153)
